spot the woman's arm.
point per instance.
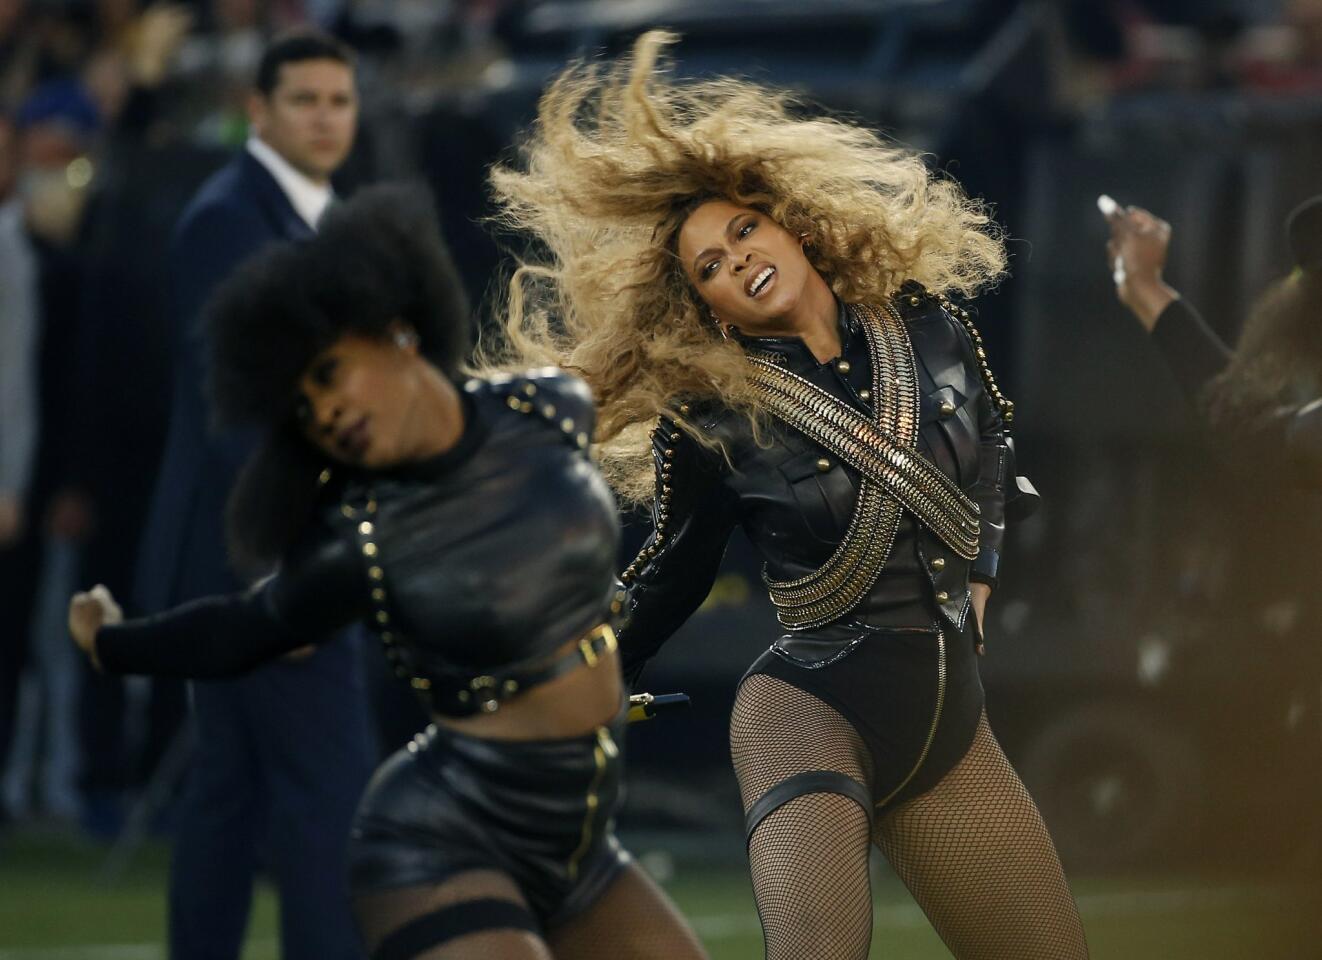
(1288, 438)
(319, 588)
(692, 516)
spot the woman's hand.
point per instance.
(88, 613)
(1136, 254)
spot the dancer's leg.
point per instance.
(977, 857)
(804, 774)
(632, 920)
(475, 915)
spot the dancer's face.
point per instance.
(749, 270)
(358, 399)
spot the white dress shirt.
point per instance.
(308, 198)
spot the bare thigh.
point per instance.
(381, 915)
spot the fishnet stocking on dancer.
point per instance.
(977, 857)
(809, 856)
(973, 851)
(632, 920)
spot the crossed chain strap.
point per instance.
(893, 473)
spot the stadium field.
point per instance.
(56, 904)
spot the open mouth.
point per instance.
(761, 281)
(354, 441)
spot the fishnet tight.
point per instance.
(973, 851)
(977, 857)
(632, 920)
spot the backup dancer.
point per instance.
(464, 521)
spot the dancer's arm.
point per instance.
(998, 490)
(319, 589)
(692, 516)
(1289, 437)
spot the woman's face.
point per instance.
(749, 270)
(357, 399)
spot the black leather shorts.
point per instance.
(913, 695)
(539, 811)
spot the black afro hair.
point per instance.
(376, 260)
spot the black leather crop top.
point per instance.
(484, 559)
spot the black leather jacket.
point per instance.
(794, 501)
(486, 558)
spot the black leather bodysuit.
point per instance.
(794, 501)
(479, 561)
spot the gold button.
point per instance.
(567, 425)
(346, 510)
(369, 549)
(946, 408)
(378, 594)
(525, 407)
(510, 686)
(376, 573)
(387, 636)
(548, 411)
(529, 389)
(842, 366)
(420, 683)
(939, 564)
(683, 409)
(865, 395)
(823, 465)
(942, 597)
(513, 402)
(323, 478)
(582, 440)
(914, 301)
(365, 528)
(382, 617)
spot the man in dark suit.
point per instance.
(283, 753)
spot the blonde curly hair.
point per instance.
(617, 159)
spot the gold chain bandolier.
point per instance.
(893, 475)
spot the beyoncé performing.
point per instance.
(531, 479)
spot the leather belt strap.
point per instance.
(454, 694)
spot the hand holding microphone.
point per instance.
(1136, 254)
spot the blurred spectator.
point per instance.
(18, 425)
(56, 124)
(18, 338)
(18, 52)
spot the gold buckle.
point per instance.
(586, 644)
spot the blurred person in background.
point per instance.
(18, 52)
(142, 175)
(1267, 390)
(58, 125)
(19, 319)
(282, 754)
(772, 288)
(1262, 401)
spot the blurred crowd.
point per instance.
(111, 114)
